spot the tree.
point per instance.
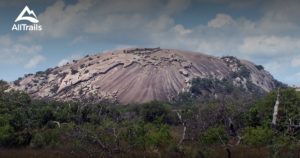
(155, 110)
(259, 136)
(3, 86)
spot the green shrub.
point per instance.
(38, 141)
(258, 136)
(46, 115)
(20, 139)
(3, 86)
(147, 135)
(200, 85)
(18, 121)
(54, 89)
(244, 72)
(215, 135)
(5, 134)
(73, 71)
(45, 138)
(158, 136)
(155, 110)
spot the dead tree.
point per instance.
(275, 113)
(116, 140)
(226, 147)
(184, 128)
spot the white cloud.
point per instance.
(296, 61)
(63, 62)
(181, 30)
(5, 40)
(293, 79)
(116, 17)
(274, 66)
(220, 20)
(270, 45)
(33, 62)
(151, 23)
(13, 51)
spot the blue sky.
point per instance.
(266, 32)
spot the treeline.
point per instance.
(222, 126)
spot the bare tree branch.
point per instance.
(275, 113)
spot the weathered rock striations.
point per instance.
(138, 75)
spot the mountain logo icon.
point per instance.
(29, 17)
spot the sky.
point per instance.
(266, 32)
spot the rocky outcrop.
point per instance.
(139, 75)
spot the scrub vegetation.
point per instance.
(222, 126)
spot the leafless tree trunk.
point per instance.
(184, 128)
(275, 113)
(226, 147)
(116, 139)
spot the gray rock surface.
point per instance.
(136, 75)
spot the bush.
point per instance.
(19, 120)
(73, 72)
(242, 72)
(148, 135)
(155, 110)
(200, 85)
(45, 138)
(17, 82)
(3, 86)
(47, 115)
(259, 67)
(20, 139)
(82, 66)
(5, 134)
(215, 135)
(54, 89)
(289, 108)
(258, 136)
(158, 136)
(38, 141)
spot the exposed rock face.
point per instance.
(138, 75)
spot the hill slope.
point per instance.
(139, 75)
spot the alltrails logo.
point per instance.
(31, 17)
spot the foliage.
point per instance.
(258, 136)
(244, 72)
(214, 135)
(54, 89)
(259, 67)
(45, 138)
(201, 86)
(156, 110)
(3, 86)
(154, 127)
(73, 71)
(147, 135)
(289, 110)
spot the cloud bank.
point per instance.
(272, 38)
